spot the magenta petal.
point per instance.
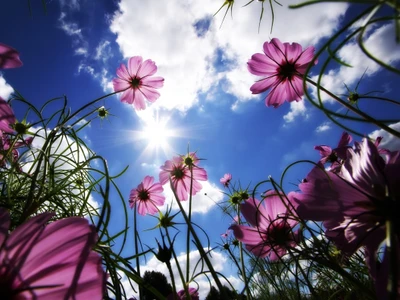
(274, 65)
(128, 96)
(52, 261)
(120, 85)
(123, 73)
(149, 93)
(276, 96)
(148, 68)
(134, 64)
(260, 64)
(7, 116)
(345, 140)
(138, 101)
(148, 182)
(275, 50)
(324, 151)
(273, 98)
(264, 84)
(292, 51)
(4, 225)
(154, 82)
(306, 57)
(25, 236)
(250, 210)
(9, 57)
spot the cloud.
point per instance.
(380, 42)
(70, 4)
(218, 260)
(194, 55)
(296, 109)
(323, 127)
(202, 202)
(5, 88)
(72, 29)
(65, 159)
(103, 51)
(389, 141)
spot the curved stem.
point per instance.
(355, 110)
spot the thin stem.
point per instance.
(136, 246)
(243, 268)
(355, 110)
(188, 231)
(203, 254)
(176, 262)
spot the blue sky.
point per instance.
(205, 103)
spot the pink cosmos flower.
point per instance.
(226, 179)
(7, 117)
(283, 67)
(6, 144)
(137, 82)
(194, 294)
(355, 203)
(54, 261)
(335, 156)
(147, 196)
(271, 228)
(9, 57)
(181, 169)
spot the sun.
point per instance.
(157, 133)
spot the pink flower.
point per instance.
(271, 228)
(181, 169)
(335, 156)
(137, 83)
(9, 57)
(226, 179)
(54, 261)
(6, 144)
(147, 196)
(283, 67)
(7, 117)
(194, 295)
(355, 203)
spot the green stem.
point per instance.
(176, 262)
(171, 274)
(136, 246)
(188, 231)
(203, 254)
(243, 267)
(355, 110)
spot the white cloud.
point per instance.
(81, 51)
(202, 202)
(323, 127)
(218, 261)
(389, 141)
(5, 88)
(296, 109)
(72, 29)
(71, 4)
(167, 34)
(380, 43)
(63, 156)
(103, 51)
